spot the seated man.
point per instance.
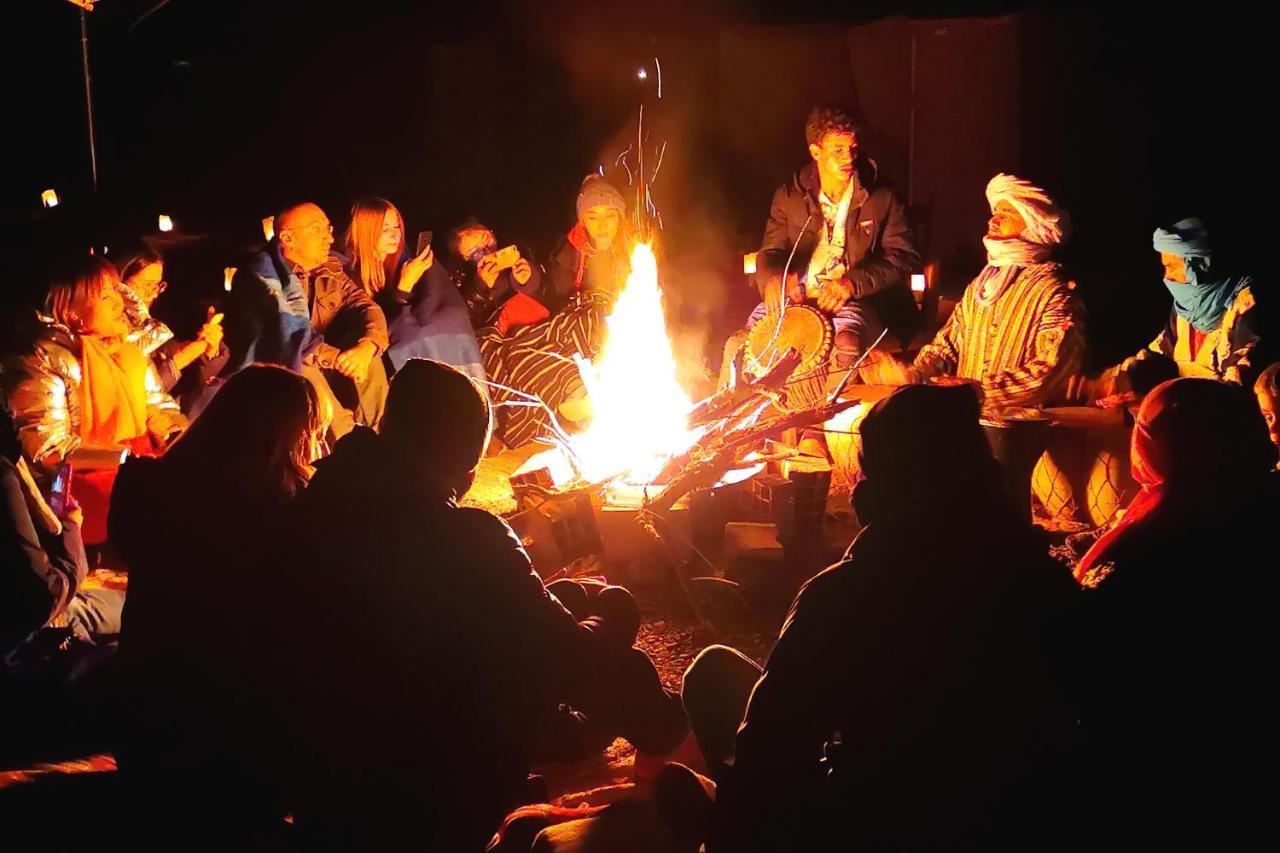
(314, 318)
(1018, 330)
(454, 664)
(1213, 328)
(915, 698)
(847, 239)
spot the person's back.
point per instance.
(1178, 626)
(923, 669)
(189, 715)
(426, 704)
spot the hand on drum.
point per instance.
(834, 294)
(882, 369)
(773, 292)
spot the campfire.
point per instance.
(648, 444)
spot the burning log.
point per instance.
(716, 454)
(727, 402)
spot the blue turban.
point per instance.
(1203, 299)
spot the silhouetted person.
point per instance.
(428, 661)
(193, 527)
(914, 699)
(1179, 631)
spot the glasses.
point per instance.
(316, 227)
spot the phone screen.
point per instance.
(424, 240)
(58, 489)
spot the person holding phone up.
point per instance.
(187, 369)
(500, 286)
(426, 316)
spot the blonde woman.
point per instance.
(426, 316)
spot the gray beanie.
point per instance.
(597, 192)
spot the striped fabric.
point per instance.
(538, 360)
(1022, 342)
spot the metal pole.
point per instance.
(88, 97)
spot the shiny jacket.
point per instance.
(42, 389)
(148, 334)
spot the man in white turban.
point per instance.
(1018, 330)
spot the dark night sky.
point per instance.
(218, 111)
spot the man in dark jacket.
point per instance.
(310, 315)
(850, 238)
(915, 698)
(426, 710)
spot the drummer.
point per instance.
(849, 236)
(1019, 329)
(1213, 328)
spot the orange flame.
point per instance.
(640, 411)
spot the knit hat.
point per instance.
(597, 192)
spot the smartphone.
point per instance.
(424, 240)
(59, 489)
(506, 257)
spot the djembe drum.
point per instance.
(804, 329)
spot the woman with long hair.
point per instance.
(194, 527)
(426, 316)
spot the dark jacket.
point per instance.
(281, 316)
(923, 668)
(572, 272)
(879, 252)
(1177, 642)
(39, 572)
(191, 670)
(421, 655)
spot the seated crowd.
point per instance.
(319, 646)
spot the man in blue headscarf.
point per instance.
(1213, 328)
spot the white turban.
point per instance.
(1047, 224)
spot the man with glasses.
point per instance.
(314, 318)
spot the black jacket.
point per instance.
(927, 670)
(879, 252)
(421, 656)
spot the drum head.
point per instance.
(801, 328)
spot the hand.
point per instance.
(74, 516)
(488, 270)
(834, 294)
(522, 272)
(882, 369)
(414, 268)
(773, 292)
(354, 363)
(211, 333)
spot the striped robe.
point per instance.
(1021, 344)
(538, 360)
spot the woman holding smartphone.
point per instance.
(426, 316)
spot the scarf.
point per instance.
(1047, 225)
(829, 253)
(1200, 300)
(114, 389)
(1015, 252)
